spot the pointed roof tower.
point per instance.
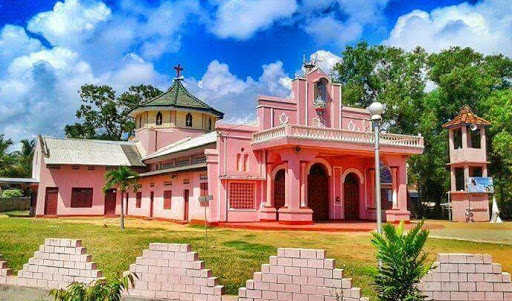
(177, 97)
(466, 117)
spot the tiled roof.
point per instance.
(465, 117)
(179, 97)
(90, 152)
(185, 144)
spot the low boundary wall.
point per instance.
(466, 277)
(174, 272)
(299, 274)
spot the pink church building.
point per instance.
(306, 158)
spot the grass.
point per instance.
(233, 255)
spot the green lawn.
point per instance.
(233, 255)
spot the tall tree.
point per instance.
(387, 74)
(103, 115)
(6, 159)
(454, 77)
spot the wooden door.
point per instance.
(185, 200)
(318, 192)
(110, 202)
(51, 201)
(279, 190)
(151, 200)
(351, 197)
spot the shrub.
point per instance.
(404, 262)
(100, 290)
(12, 193)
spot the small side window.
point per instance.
(188, 120)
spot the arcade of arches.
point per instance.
(333, 194)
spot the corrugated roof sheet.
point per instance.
(174, 170)
(186, 144)
(91, 152)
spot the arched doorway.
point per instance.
(279, 190)
(351, 196)
(318, 192)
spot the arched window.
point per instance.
(238, 162)
(321, 90)
(188, 120)
(246, 162)
(158, 118)
(209, 124)
(140, 121)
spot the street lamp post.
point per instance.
(376, 109)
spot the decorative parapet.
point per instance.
(466, 277)
(334, 135)
(58, 263)
(173, 271)
(299, 274)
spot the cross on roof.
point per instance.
(178, 69)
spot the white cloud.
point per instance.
(14, 42)
(323, 23)
(485, 26)
(240, 19)
(69, 22)
(228, 93)
(325, 60)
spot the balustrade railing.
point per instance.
(327, 134)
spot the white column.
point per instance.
(394, 187)
(303, 179)
(269, 186)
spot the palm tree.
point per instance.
(6, 160)
(404, 262)
(123, 178)
(24, 156)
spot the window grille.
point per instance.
(241, 195)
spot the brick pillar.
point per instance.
(293, 213)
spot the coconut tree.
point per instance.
(24, 157)
(124, 179)
(404, 262)
(6, 159)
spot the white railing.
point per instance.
(327, 134)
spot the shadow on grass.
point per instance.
(16, 213)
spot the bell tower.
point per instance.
(468, 159)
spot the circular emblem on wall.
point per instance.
(351, 126)
(283, 119)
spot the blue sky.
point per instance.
(231, 50)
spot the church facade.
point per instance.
(307, 158)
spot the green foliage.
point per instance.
(404, 262)
(123, 178)
(100, 290)
(17, 164)
(388, 74)
(12, 193)
(103, 115)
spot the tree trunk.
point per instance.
(121, 216)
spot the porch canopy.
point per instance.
(19, 181)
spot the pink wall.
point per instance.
(153, 139)
(65, 179)
(157, 185)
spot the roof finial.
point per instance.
(178, 69)
(308, 65)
